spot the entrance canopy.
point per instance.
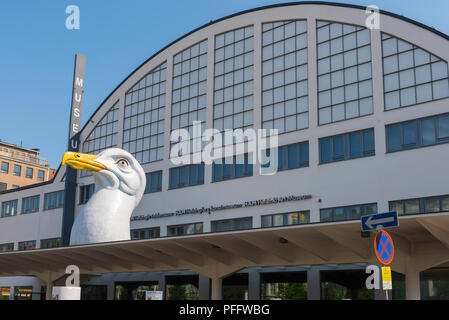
(421, 242)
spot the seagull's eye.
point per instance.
(122, 163)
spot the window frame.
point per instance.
(228, 171)
(49, 200)
(184, 227)
(419, 133)
(32, 200)
(19, 171)
(215, 225)
(13, 209)
(175, 173)
(285, 216)
(347, 212)
(27, 174)
(421, 205)
(6, 164)
(346, 138)
(43, 175)
(86, 192)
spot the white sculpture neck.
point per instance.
(114, 206)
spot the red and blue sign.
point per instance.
(384, 247)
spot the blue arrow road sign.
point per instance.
(384, 220)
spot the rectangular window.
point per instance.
(186, 176)
(285, 102)
(149, 233)
(233, 99)
(30, 204)
(232, 224)
(54, 200)
(347, 146)
(286, 219)
(9, 208)
(347, 213)
(183, 229)
(154, 182)
(5, 167)
(227, 169)
(411, 75)
(397, 206)
(345, 88)
(443, 127)
(189, 94)
(291, 156)
(420, 205)
(40, 175)
(86, 192)
(417, 133)
(27, 245)
(17, 170)
(409, 132)
(6, 247)
(29, 173)
(432, 205)
(50, 243)
(2, 186)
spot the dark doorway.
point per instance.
(182, 287)
(133, 290)
(94, 292)
(283, 286)
(235, 287)
(345, 285)
(435, 284)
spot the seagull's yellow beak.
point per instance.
(82, 161)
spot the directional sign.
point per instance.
(384, 247)
(382, 220)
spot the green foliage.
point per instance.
(292, 291)
(182, 292)
(333, 291)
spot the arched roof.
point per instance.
(212, 22)
(324, 3)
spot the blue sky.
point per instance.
(37, 53)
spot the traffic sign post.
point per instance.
(383, 243)
(384, 250)
(380, 221)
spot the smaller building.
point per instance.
(21, 167)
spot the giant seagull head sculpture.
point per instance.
(119, 186)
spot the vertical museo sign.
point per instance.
(74, 142)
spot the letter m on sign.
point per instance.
(79, 82)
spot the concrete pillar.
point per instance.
(313, 284)
(204, 287)
(11, 292)
(412, 287)
(254, 284)
(37, 287)
(217, 289)
(111, 291)
(48, 294)
(161, 285)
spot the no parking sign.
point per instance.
(383, 247)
